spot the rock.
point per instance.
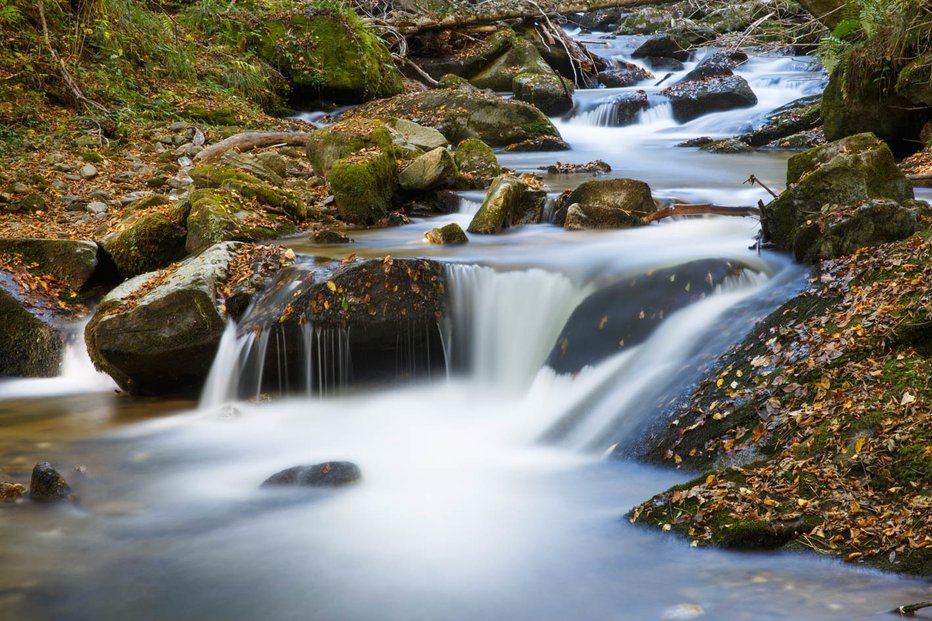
(47, 484)
(550, 93)
(608, 204)
(544, 143)
(470, 55)
(96, 207)
(273, 162)
(249, 186)
(252, 165)
(475, 158)
(158, 333)
(329, 474)
(459, 115)
(132, 197)
(693, 99)
(334, 142)
(658, 63)
(219, 215)
(509, 202)
(729, 145)
(30, 203)
(842, 173)
(447, 234)
(19, 187)
(146, 241)
(29, 347)
(620, 110)
(913, 81)
(829, 12)
(593, 167)
(663, 46)
(521, 57)
(716, 65)
(797, 116)
(626, 74)
(426, 138)
(434, 169)
(326, 52)
(327, 236)
(70, 261)
(560, 55)
(88, 171)
(9, 492)
(100, 195)
(857, 105)
(363, 186)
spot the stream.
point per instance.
(495, 491)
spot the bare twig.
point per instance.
(700, 209)
(248, 141)
(753, 179)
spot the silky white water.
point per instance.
(485, 494)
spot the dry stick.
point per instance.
(910, 610)
(565, 49)
(700, 209)
(749, 29)
(66, 76)
(426, 76)
(248, 141)
(752, 180)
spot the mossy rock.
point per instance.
(915, 80)
(459, 114)
(145, 242)
(798, 116)
(29, 347)
(841, 173)
(551, 93)
(326, 52)
(609, 204)
(509, 202)
(363, 187)
(474, 157)
(426, 138)
(249, 186)
(435, 169)
(153, 200)
(334, 142)
(218, 215)
(854, 104)
(450, 234)
(467, 59)
(522, 57)
(71, 261)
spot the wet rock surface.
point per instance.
(328, 474)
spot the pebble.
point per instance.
(19, 188)
(88, 171)
(177, 126)
(132, 197)
(123, 176)
(70, 177)
(59, 185)
(100, 195)
(96, 207)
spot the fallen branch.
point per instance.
(248, 141)
(910, 610)
(753, 179)
(424, 75)
(700, 209)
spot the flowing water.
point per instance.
(486, 492)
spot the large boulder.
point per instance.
(147, 240)
(664, 46)
(608, 204)
(426, 138)
(829, 179)
(549, 92)
(509, 202)
(693, 99)
(71, 261)
(363, 186)
(329, 144)
(435, 169)
(521, 57)
(29, 347)
(157, 333)
(326, 52)
(460, 54)
(476, 159)
(219, 215)
(461, 114)
(716, 65)
(914, 81)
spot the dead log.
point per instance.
(248, 141)
(700, 209)
(487, 12)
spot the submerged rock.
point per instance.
(47, 484)
(329, 474)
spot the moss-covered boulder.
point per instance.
(334, 142)
(693, 99)
(829, 12)
(855, 102)
(828, 179)
(219, 215)
(71, 261)
(250, 187)
(157, 333)
(459, 114)
(363, 186)
(29, 347)
(798, 116)
(449, 234)
(254, 166)
(509, 202)
(326, 52)
(147, 241)
(608, 204)
(549, 92)
(435, 169)
(521, 57)
(914, 81)
(477, 159)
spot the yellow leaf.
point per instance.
(331, 285)
(859, 445)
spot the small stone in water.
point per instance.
(328, 474)
(47, 484)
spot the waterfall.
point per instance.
(503, 324)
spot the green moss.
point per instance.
(363, 187)
(248, 186)
(219, 215)
(146, 243)
(92, 157)
(476, 158)
(218, 116)
(337, 141)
